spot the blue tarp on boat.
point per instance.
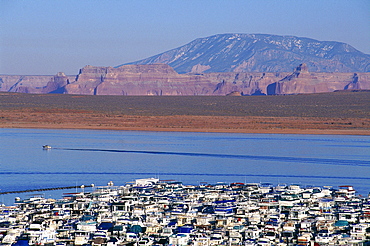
(21, 243)
(341, 223)
(105, 226)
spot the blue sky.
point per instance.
(43, 37)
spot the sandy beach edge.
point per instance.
(187, 129)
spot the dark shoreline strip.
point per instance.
(44, 189)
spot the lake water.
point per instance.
(97, 157)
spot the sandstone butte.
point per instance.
(161, 79)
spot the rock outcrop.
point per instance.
(35, 83)
(161, 79)
(302, 81)
(56, 84)
(156, 79)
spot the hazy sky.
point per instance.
(46, 37)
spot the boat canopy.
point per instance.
(341, 223)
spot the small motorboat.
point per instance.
(46, 147)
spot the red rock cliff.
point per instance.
(161, 79)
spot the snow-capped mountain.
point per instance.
(261, 53)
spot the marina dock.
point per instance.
(154, 212)
(45, 189)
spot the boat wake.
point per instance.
(335, 162)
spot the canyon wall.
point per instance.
(161, 79)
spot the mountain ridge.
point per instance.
(222, 64)
(237, 52)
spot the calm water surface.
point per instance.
(97, 157)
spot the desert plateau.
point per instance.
(341, 112)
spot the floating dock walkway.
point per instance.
(46, 189)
